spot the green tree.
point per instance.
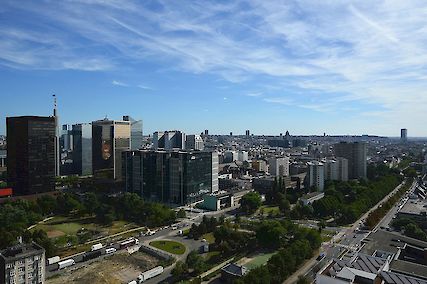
(196, 262)
(47, 204)
(250, 202)
(180, 270)
(303, 280)
(270, 234)
(181, 213)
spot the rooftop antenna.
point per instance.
(54, 105)
(55, 116)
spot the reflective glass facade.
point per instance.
(176, 177)
(82, 152)
(109, 140)
(31, 154)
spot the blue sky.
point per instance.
(340, 67)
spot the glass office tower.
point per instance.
(82, 152)
(109, 139)
(135, 132)
(31, 154)
(174, 177)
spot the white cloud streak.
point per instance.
(327, 54)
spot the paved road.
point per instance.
(346, 240)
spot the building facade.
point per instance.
(278, 166)
(403, 134)
(23, 263)
(173, 177)
(109, 139)
(316, 175)
(194, 142)
(136, 138)
(355, 153)
(82, 149)
(336, 169)
(168, 140)
(259, 165)
(31, 144)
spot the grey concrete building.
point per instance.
(23, 263)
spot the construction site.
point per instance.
(117, 268)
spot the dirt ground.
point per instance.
(55, 234)
(118, 268)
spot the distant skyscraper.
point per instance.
(82, 152)
(206, 132)
(168, 140)
(316, 175)
(404, 134)
(176, 177)
(231, 133)
(135, 132)
(31, 145)
(247, 132)
(66, 139)
(355, 153)
(109, 139)
(194, 142)
(278, 166)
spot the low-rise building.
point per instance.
(309, 198)
(23, 263)
(218, 201)
(232, 271)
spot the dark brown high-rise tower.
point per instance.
(31, 154)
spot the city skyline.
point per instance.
(352, 68)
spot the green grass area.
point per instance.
(169, 246)
(267, 210)
(209, 237)
(70, 226)
(327, 235)
(259, 260)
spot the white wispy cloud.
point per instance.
(145, 87)
(118, 83)
(327, 54)
(258, 94)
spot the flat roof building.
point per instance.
(316, 175)
(174, 177)
(109, 139)
(355, 153)
(31, 161)
(23, 263)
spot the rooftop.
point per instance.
(234, 269)
(390, 242)
(414, 207)
(21, 251)
(397, 278)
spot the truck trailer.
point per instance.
(150, 274)
(66, 263)
(53, 260)
(96, 247)
(91, 255)
(128, 243)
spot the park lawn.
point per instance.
(269, 210)
(209, 237)
(62, 225)
(169, 246)
(259, 260)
